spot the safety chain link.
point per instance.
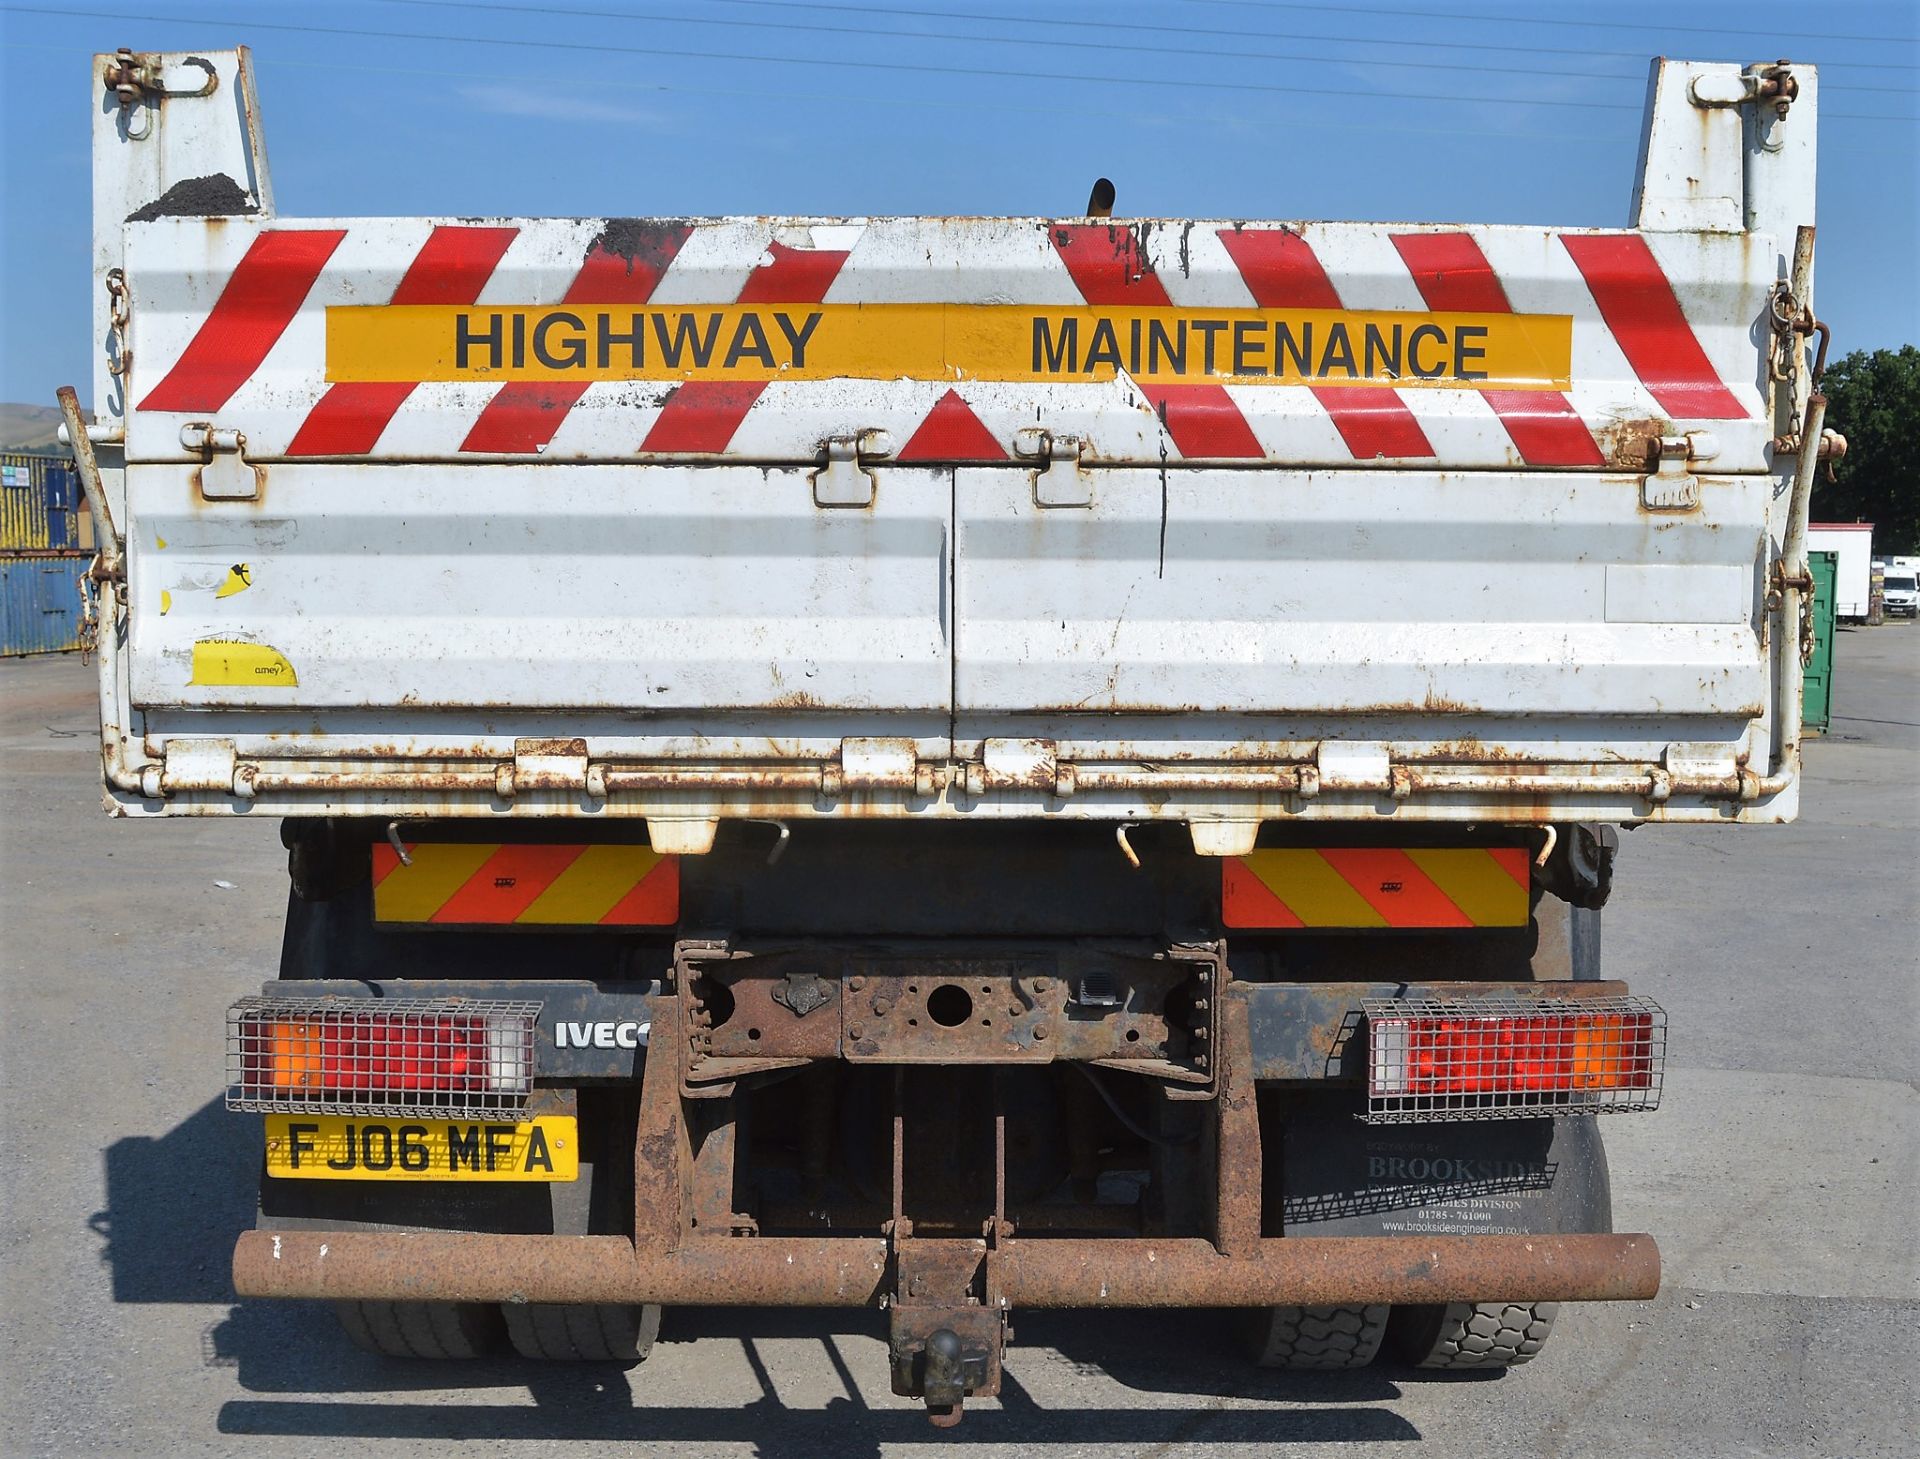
(119, 314)
(89, 612)
(1791, 322)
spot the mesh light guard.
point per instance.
(425, 1058)
(1509, 1057)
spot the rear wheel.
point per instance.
(1473, 1334)
(1316, 1337)
(422, 1329)
(582, 1332)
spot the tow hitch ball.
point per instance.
(943, 1370)
(945, 1335)
(947, 1373)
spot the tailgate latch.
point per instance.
(226, 475)
(1059, 479)
(845, 478)
(1764, 85)
(1672, 486)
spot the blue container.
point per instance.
(64, 506)
(40, 602)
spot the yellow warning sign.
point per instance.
(954, 342)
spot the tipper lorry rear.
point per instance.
(947, 765)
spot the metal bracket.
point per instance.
(845, 477)
(1672, 486)
(1060, 479)
(1773, 84)
(802, 992)
(226, 476)
(132, 75)
(1801, 582)
(137, 77)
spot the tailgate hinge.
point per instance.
(1060, 479)
(226, 476)
(196, 764)
(880, 764)
(845, 477)
(1006, 764)
(546, 764)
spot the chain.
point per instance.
(89, 613)
(1787, 318)
(119, 312)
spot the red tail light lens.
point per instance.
(359, 1055)
(1429, 1059)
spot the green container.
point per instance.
(1817, 703)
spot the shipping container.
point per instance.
(66, 510)
(39, 503)
(40, 602)
(1818, 699)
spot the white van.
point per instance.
(1900, 587)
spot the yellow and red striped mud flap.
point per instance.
(459, 883)
(1367, 886)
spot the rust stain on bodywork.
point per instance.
(1633, 444)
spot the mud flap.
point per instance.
(1340, 1177)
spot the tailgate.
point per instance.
(1122, 519)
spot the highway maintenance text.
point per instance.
(764, 342)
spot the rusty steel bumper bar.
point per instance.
(853, 1271)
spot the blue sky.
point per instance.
(1235, 108)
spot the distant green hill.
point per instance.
(32, 428)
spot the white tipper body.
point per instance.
(1438, 592)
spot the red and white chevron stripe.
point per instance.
(1661, 328)
(522, 417)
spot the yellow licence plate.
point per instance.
(333, 1147)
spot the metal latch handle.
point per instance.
(1059, 479)
(226, 476)
(845, 477)
(1672, 486)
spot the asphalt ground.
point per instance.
(1779, 1175)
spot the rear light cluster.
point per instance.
(1494, 1058)
(392, 1056)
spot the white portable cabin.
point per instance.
(1853, 572)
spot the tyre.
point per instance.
(582, 1332)
(1473, 1334)
(1316, 1337)
(422, 1329)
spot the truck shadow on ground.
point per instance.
(176, 1203)
(306, 1380)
